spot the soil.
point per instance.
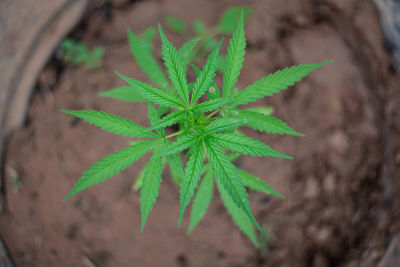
(343, 200)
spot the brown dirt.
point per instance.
(342, 205)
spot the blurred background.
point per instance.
(342, 205)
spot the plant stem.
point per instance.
(174, 134)
(213, 113)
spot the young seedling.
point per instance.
(77, 53)
(205, 40)
(176, 24)
(207, 130)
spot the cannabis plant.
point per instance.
(207, 118)
(76, 53)
(205, 37)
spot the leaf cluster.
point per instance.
(205, 37)
(76, 53)
(208, 118)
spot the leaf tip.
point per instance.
(324, 63)
(160, 30)
(280, 155)
(143, 224)
(190, 229)
(180, 218)
(280, 196)
(219, 44)
(68, 196)
(118, 74)
(299, 134)
(257, 225)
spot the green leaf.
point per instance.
(234, 59)
(169, 120)
(176, 24)
(161, 110)
(205, 78)
(245, 145)
(199, 27)
(150, 93)
(111, 165)
(233, 157)
(154, 117)
(196, 70)
(112, 123)
(181, 144)
(175, 68)
(202, 199)
(187, 51)
(231, 17)
(176, 165)
(221, 63)
(239, 216)
(213, 92)
(192, 176)
(94, 59)
(211, 105)
(141, 51)
(224, 124)
(226, 175)
(263, 110)
(209, 43)
(148, 36)
(76, 53)
(264, 123)
(255, 183)
(124, 93)
(274, 83)
(139, 180)
(152, 113)
(150, 187)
